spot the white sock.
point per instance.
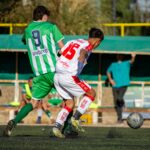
(62, 116)
(40, 112)
(84, 104)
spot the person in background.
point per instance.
(118, 74)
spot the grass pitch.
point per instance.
(95, 138)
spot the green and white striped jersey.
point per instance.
(41, 38)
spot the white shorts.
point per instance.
(70, 86)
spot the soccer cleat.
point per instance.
(70, 131)
(8, 130)
(76, 124)
(57, 133)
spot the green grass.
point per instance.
(95, 138)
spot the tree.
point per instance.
(72, 17)
(124, 14)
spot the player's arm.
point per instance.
(58, 37)
(63, 48)
(61, 44)
(82, 59)
(83, 56)
(133, 55)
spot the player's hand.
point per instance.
(59, 53)
(112, 82)
(133, 54)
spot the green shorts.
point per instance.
(42, 85)
(55, 101)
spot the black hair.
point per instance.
(39, 12)
(96, 33)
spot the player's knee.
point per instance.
(45, 106)
(91, 93)
(39, 104)
(69, 103)
(34, 103)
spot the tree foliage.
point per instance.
(73, 16)
(124, 14)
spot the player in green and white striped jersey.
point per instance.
(40, 37)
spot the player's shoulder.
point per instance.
(81, 41)
(85, 44)
(29, 25)
(50, 24)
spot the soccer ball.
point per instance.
(135, 120)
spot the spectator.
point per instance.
(119, 77)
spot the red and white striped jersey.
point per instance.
(68, 62)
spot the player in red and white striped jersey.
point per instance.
(73, 58)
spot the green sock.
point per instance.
(48, 113)
(23, 112)
(67, 122)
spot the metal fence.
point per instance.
(122, 26)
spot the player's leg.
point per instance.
(65, 111)
(45, 107)
(22, 103)
(67, 122)
(54, 102)
(43, 88)
(62, 117)
(21, 114)
(39, 112)
(40, 88)
(68, 130)
(84, 104)
(69, 86)
(79, 88)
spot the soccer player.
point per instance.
(40, 37)
(73, 58)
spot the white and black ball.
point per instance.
(135, 120)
